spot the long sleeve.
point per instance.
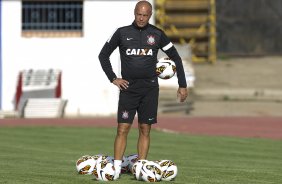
(172, 53)
(104, 56)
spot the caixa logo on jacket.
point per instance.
(139, 52)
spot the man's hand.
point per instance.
(182, 94)
(121, 83)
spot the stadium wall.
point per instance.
(84, 84)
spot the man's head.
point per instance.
(142, 12)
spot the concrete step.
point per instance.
(44, 108)
(238, 94)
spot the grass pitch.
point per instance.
(36, 155)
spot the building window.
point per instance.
(52, 17)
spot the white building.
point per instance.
(84, 84)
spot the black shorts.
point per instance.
(143, 100)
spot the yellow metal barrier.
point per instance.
(190, 21)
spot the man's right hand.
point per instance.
(121, 83)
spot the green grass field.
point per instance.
(48, 154)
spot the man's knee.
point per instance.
(123, 129)
(144, 129)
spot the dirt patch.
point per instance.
(255, 127)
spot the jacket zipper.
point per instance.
(140, 39)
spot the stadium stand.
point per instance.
(190, 21)
(38, 94)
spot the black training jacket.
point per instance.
(138, 49)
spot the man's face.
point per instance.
(142, 15)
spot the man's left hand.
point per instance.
(182, 94)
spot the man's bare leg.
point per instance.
(120, 146)
(143, 140)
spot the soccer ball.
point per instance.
(105, 170)
(95, 157)
(124, 163)
(85, 164)
(102, 156)
(131, 160)
(165, 68)
(169, 169)
(98, 158)
(151, 172)
(136, 168)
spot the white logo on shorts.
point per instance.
(124, 115)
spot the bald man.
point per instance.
(138, 44)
